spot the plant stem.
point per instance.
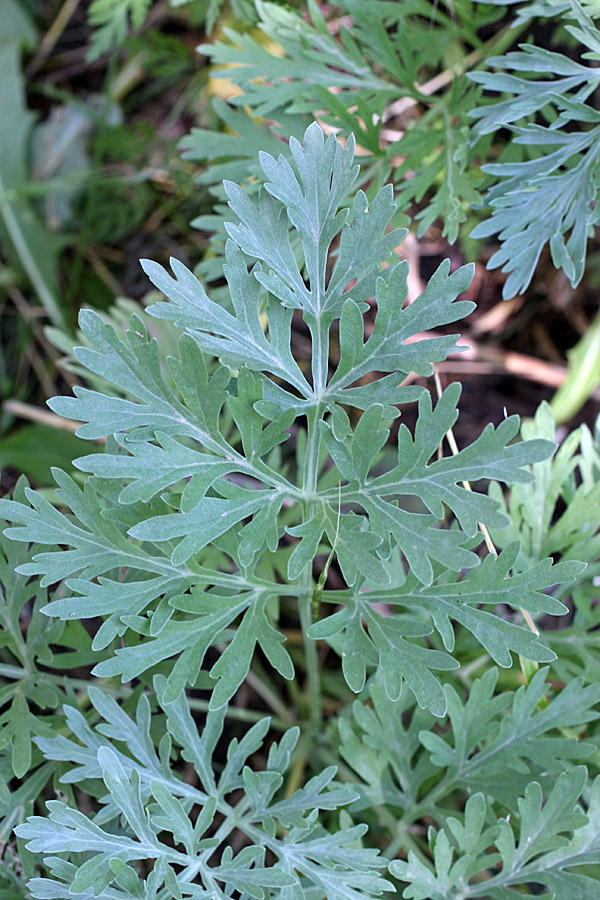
(310, 657)
(311, 470)
(258, 681)
(29, 262)
(403, 840)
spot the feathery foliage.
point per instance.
(226, 493)
(147, 809)
(187, 549)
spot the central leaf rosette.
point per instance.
(238, 463)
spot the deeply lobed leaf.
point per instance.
(194, 499)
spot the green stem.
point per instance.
(28, 260)
(311, 470)
(428, 804)
(242, 715)
(403, 840)
(310, 657)
(259, 682)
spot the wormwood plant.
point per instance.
(234, 474)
